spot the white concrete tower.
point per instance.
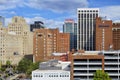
(86, 28)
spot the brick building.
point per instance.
(103, 34)
(47, 41)
(116, 36)
(63, 44)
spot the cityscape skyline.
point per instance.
(53, 16)
(76, 38)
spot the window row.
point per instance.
(52, 76)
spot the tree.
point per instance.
(27, 66)
(23, 65)
(101, 75)
(0, 64)
(32, 67)
(8, 63)
(3, 69)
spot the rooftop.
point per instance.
(58, 54)
(54, 65)
(87, 53)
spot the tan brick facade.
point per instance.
(20, 27)
(10, 47)
(16, 41)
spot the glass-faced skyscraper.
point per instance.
(2, 20)
(71, 27)
(86, 28)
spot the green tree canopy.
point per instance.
(8, 63)
(27, 66)
(101, 75)
(32, 67)
(24, 65)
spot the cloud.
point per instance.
(116, 21)
(112, 12)
(7, 21)
(58, 5)
(10, 4)
(13, 12)
(6, 13)
(52, 5)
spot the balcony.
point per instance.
(110, 62)
(95, 63)
(80, 63)
(88, 63)
(113, 68)
(83, 74)
(80, 74)
(113, 74)
(95, 68)
(83, 68)
(112, 57)
(80, 68)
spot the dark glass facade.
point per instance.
(71, 27)
(36, 25)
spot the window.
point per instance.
(15, 19)
(60, 75)
(41, 75)
(15, 53)
(34, 75)
(40, 35)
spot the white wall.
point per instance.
(50, 75)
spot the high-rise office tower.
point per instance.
(2, 20)
(75, 36)
(71, 27)
(36, 25)
(86, 28)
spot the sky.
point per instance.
(54, 12)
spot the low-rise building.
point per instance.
(112, 64)
(85, 64)
(52, 70)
